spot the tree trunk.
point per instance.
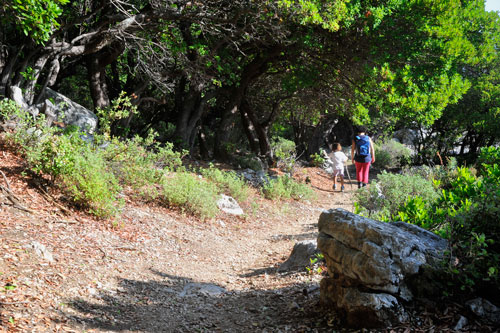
(50, 79)
(251, 72)
(8, 68)
(37, 70)
(261, 130)
(249, 129)
(319, 136)
(223, 134)
(97, 83)
(202, 139)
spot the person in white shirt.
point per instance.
(338, 159)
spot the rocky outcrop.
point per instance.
(68, 111)
(375, 267)
(57, 107)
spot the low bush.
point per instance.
(285, 187)
(467, 214)
(284, 152)
(228, 182)
(189, 193)
(392, 154)
(90, 184)
(317, 159)
(141, 163)
(388, 192)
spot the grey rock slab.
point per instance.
(229, 205)
(374, 266)
(485, 309)
(192, 289)
(70, 112)
(376, 254)
(300, 257)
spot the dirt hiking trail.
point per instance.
(154, 269)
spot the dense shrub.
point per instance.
(74, 165)
(92, 185)
(318, 159)
(249, 161)
(285, 187)
(228, 182)
(284, 152)
(440, 175)
(189, 193)
(141, 162)
(389, 192)
(392, 154)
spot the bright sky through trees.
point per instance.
(493, 5)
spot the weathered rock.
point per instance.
(406, 136)
(300, 256)
(70, 112)
(42, 251)
(374, 267)
(485, 309)
(191, 289)
(16, 94)
(462, 322)
(49, 109)
(229, 205)
(256, 178)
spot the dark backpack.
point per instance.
(363, 145)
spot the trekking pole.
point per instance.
(348, 175)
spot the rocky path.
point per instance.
(155, 270)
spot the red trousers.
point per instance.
(362, 170)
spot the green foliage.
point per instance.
(317, 264)
(228, 182)
(392, 154)
(72, 163)
(141, 163)
(285, 187)
(91, 184)
(284, 152)
(317, 159)
(35, 18)
(389, 192)
(489, 156)
(189, 193)
(120, 108)
(467, 214)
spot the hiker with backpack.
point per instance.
(363, 154)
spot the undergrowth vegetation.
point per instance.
(392, 154)
(94, 173)
(285, 187)
(186, 191)
(460, 204)
(227, 182)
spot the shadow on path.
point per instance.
(178, 304)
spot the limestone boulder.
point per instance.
(229, 205)
(69, 112)
(375, 267)
(301, 256)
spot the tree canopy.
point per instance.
(221, 74)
